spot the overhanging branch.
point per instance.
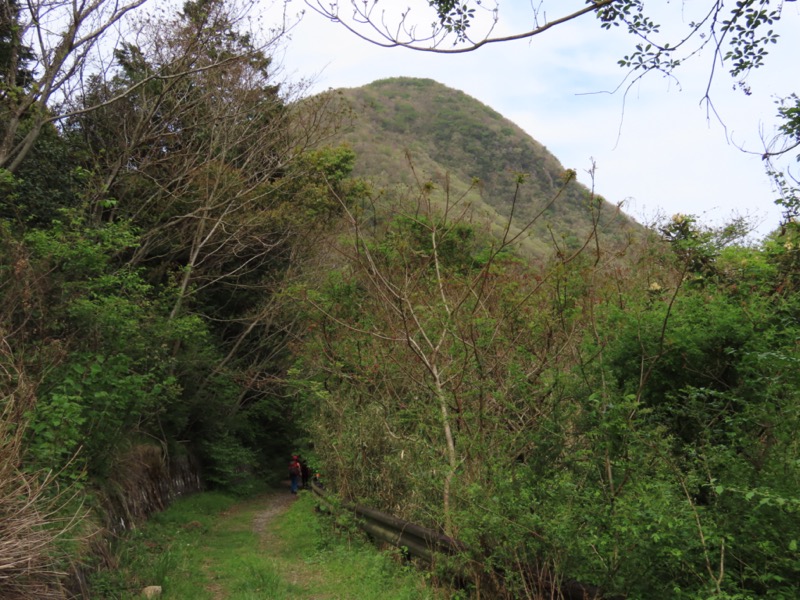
(384, 38)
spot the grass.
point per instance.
(338, 566)
(206, 547)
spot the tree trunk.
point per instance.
(451, 452)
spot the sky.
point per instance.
(657, 148)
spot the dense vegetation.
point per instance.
(623, 417)
(186, 265)
(146, 236)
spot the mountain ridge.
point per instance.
(404, 129)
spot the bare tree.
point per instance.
(60, 36)
(60, 44)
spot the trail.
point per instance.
(297, 573)
(260, 516)
(272, 547)
(274, 505)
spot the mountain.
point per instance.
(462, 145)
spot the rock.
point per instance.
(151, 591)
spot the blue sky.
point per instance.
(656, 148)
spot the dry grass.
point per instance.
(32, 515)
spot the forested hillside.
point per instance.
(404, 129)
(189, 269)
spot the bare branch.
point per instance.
(403, 37)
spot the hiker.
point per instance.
(295, 472)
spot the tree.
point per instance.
(213, 163)
(15, 57)
(48, 49)
(54, 42)
(205, 158)
(174, 199)
(621, 418)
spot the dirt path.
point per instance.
(256, 515)
(275, 546)
(297, 573)
(271, 548)
(274, 505)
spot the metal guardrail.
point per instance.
(418, 541)
(425, 543)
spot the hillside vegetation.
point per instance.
(190, 273)
(626, 420)
(454, 141)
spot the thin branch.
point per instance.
(386, 40)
